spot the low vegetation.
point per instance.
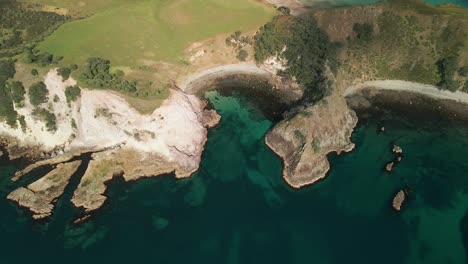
(23, 25)
(414, 42)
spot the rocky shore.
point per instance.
(40, 196)
(304, 141)
(125, 142)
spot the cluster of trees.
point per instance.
(72, 93)
(96, 73)
(38, 94)
(22, 24)
(43, 58)
(7, 110)
(447, 67)
(304, 45)
(239, 42)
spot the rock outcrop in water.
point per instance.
(398, 200)
(305, 140)
(39, 197)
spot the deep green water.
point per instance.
(237, 209)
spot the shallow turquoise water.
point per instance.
(365, 2)
(237, 208)
(457, 2)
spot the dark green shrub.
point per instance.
(38, 93)
(72, 93)
(64, 72)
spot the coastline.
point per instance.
(410, 87)
(200, 80)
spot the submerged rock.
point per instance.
(398, 200)
(39, 197)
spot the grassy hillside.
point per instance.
(150, 30)
(401, 39)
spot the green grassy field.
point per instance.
(131, 34)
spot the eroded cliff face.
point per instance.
(171, 139)
(305, 140)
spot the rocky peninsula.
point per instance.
(39, 197)
(170, 140)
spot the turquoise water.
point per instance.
(365, 2)
(237, 208)
(440, 2)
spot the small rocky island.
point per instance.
(398, 152)
(399, 200)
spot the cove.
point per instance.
(238, 209)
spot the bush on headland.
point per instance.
(7, 110)
(305, 47)
(96, 73)
(72, 93)
(38, 93)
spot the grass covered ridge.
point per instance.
(401, 39)
(151, 30)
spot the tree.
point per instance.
(305, 47)
(38, 93)
(34, 72)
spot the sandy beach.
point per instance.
(412, 87)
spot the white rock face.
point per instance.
(103, 119)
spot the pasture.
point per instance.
(131, 33)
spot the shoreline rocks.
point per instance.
(40, 196)
(398, 151)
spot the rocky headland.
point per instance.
(304, 141)
(39, 197)
(171, 139)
